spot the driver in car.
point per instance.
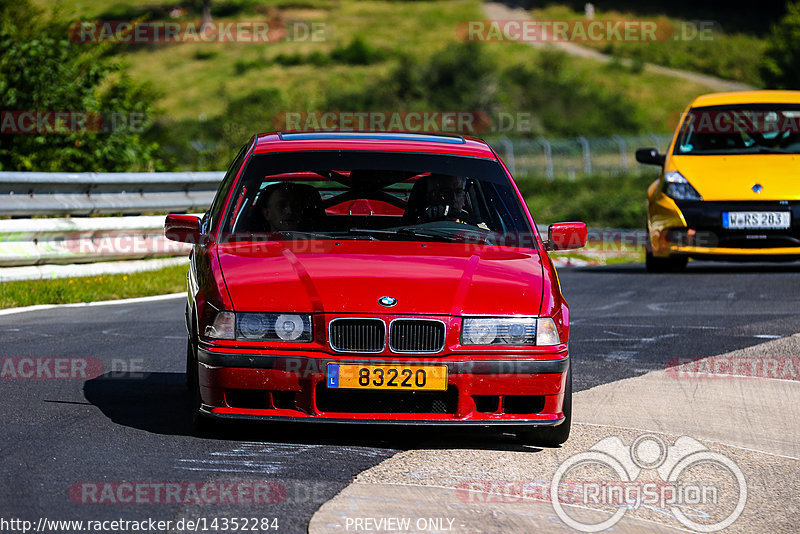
(445, 197)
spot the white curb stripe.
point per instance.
(135, 300)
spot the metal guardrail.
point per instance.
(37, 241)
(25, 242)
(41, 193)
(77, 194)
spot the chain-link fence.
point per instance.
(578, 156)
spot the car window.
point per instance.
(377, 196)
(740, 129)
(219, 199)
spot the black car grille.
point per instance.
(357, 335)
(414, 335)
(354, 401)
(705, 217)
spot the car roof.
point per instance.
(374, 141)
(747, 97)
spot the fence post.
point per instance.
(623, 157)
(587, 155)
(508, 146)
(548, 157)
(656, 141)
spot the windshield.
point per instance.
(740, 129)
(376, 196)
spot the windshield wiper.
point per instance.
(767, 150)
(447, 237)
(294, 233)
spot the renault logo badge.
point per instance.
(387, 301)
(757, 188)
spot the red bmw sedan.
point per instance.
(376, 278)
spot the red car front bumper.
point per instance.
(501, 390)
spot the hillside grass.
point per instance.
(599, 201)
(731, 55)
(197, 79)
(213, 96)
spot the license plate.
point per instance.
(396, 377)
(758, 220)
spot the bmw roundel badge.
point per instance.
(387, 301)
(757, 188)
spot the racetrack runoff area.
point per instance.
(740, 404)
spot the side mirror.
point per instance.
(566, 235)
(650, 156)
(183, 228)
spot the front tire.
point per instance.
(191, 365)
(552, 436)
(200, 423)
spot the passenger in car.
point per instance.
(290, 207)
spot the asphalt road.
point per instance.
(70, 441)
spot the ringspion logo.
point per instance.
(703, 490)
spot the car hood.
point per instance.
(350, 277)
(732, 177)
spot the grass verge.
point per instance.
(93, 288)
(596, 253)
(173, 280)
(599, 201)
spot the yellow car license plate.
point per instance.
(399, 377)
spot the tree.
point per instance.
(781, 68)
(42, 71)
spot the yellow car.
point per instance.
(730, 186)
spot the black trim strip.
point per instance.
(416, 422)
(302, 364)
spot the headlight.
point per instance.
(516, 331)
(679, 188)
(273, 327)
(260, 327)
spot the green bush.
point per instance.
(42, 71)
(731, 56)
(464, 76)
(211, 144)
(357, 52)
(599, 201)
(781, 69)
(567, 103)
